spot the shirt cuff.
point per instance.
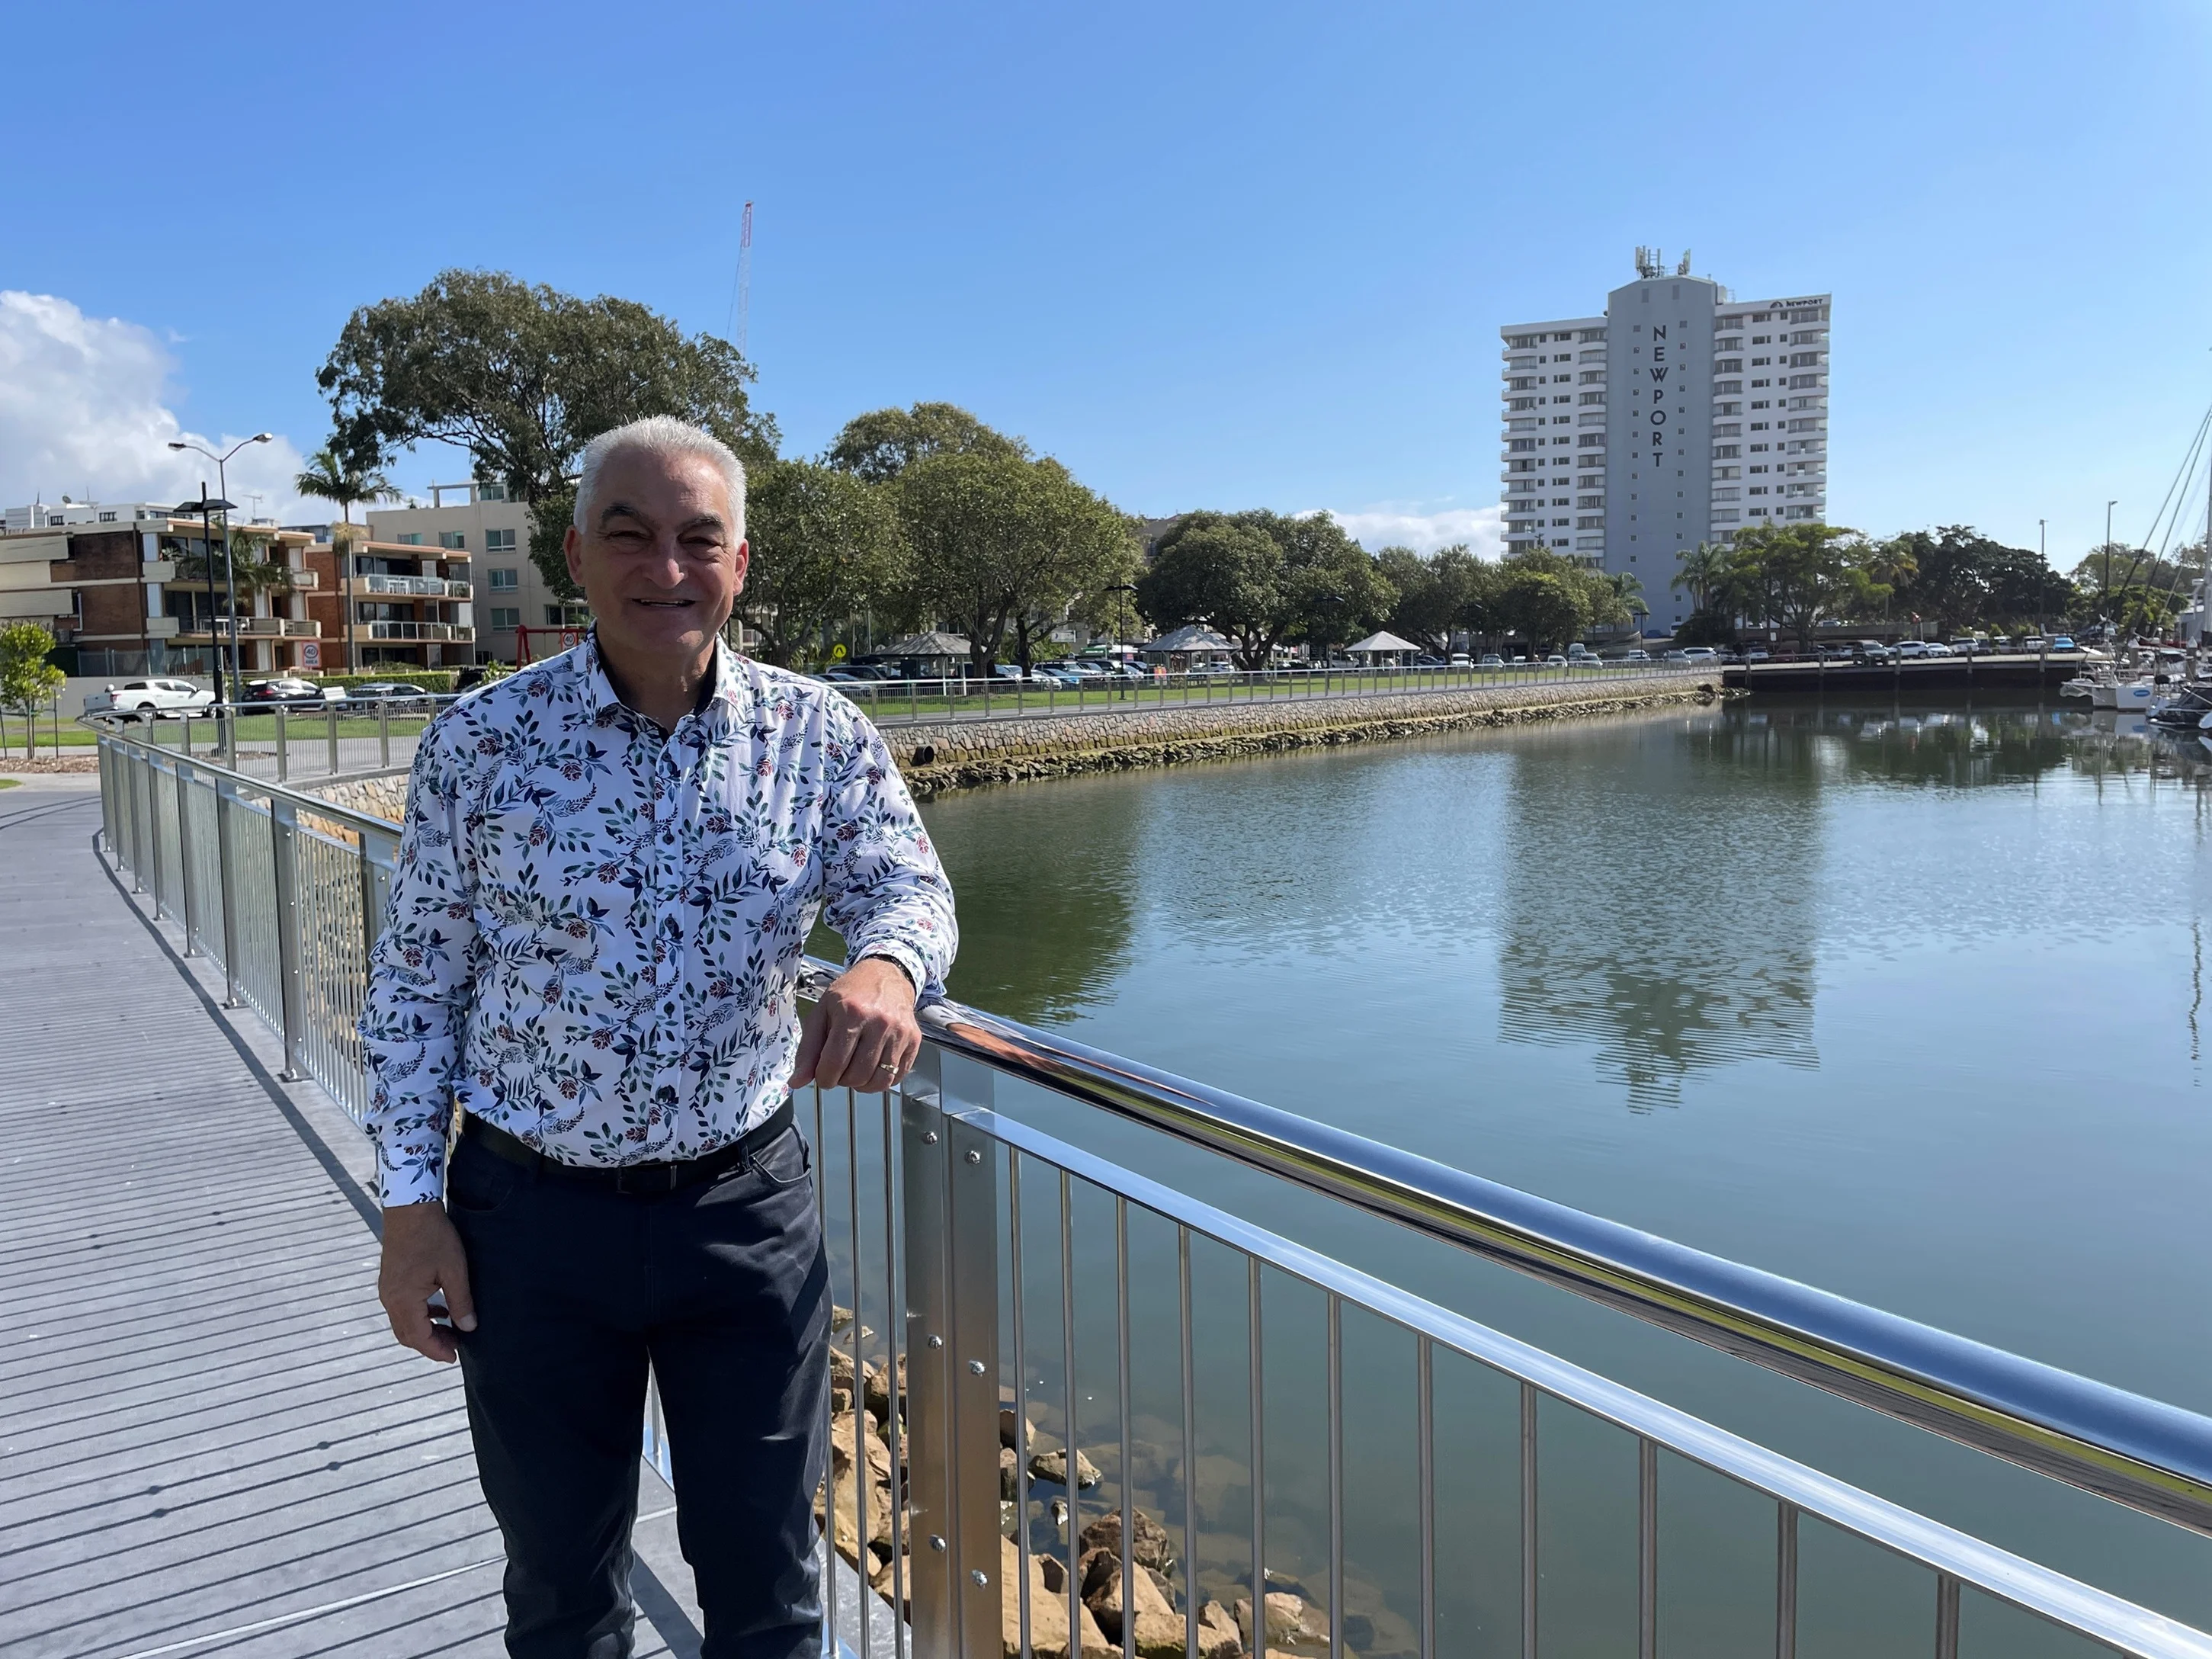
(412, 1178)
(906, 960)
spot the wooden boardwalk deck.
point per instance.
(209, 1443)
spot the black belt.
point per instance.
(665, 1177)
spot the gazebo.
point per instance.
(1194, 646)
(1376, 646)
(932, 656)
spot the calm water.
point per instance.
(1904, 1002)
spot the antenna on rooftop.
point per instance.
(1683, 269)
(1649, 261)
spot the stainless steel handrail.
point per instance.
(2150, 1456)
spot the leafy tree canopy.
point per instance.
(523, 377)
(824, 545)
(995, 538)
(883, 443)
(27, 680)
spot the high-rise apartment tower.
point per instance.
(1681, 415)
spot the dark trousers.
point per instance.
(723, 1290)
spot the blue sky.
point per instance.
(1208, 255)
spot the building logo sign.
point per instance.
(1658, 386)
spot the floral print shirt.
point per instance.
(596, 927)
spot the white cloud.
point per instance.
(82, 413)
(1482, 528)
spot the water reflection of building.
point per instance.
(1702, 837)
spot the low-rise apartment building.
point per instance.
(477, 522)
(132, 593)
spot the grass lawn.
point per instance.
(11, 783)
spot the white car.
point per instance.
(1937, 648)
(149, 699)
(1699, 654)
(1907, 650)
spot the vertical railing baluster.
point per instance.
(1189, 1445)
(1647, 1548)
(1128, 1497)
(184, 849)
(1014, 1270)
(1068, 1390)
(330, 714)
(384, 734)
(1426, 1451)
(893, 1343)
(284, 753)
(1527, 1521)
(828, 1411)
(1258, 1384)
(861, 1483)
(226, 834)
(1785, 1580)
(284, 845)
(1947, 1616)
(1335, 1476)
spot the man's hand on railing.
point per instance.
(862, 1034)
(422, 1256)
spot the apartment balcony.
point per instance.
(306, 581)
(433, 587)
(462, 633)
(162, 627)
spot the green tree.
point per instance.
(1807, 574)
(825, 546)
(1546, 608)
(883, 443)
(344, 485)
(1224, 573)
(1627, 596)
(1703, 574)
(1335, 592)
(1436, 595)
(996, 538)
(522, 378)
(28, 681)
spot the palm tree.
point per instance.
(344, 487)
(1628, 587)
(1705, 570)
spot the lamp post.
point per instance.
(2106, 596)
(2043, 554)
(229, 573)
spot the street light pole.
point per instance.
(2106, 596)
(229, 573)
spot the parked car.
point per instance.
(149, 699)
(1838, 653)
(1555, 660)
(1699, 654)
(1966, 647)
(1676, 656)
(288, 691)
(1937, 648)
(1424, 660)
(1490, 660)
(1636, 656)
(1459, 660)
(2063, 642)
(1909, 650)
(393, 694)
(1758, 653)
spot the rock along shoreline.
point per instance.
(968, 755)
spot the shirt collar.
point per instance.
(729, 699)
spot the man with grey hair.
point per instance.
(610, 863)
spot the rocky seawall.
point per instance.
(964, 755)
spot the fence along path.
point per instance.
(212, 1443)
(925, 1214)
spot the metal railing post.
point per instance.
(284, 833)
(951, 1238)
(330, 714)
(134, 766)
(225, 799)
(383, 735)
(283, 768)
(375, 876)
(184, 849)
